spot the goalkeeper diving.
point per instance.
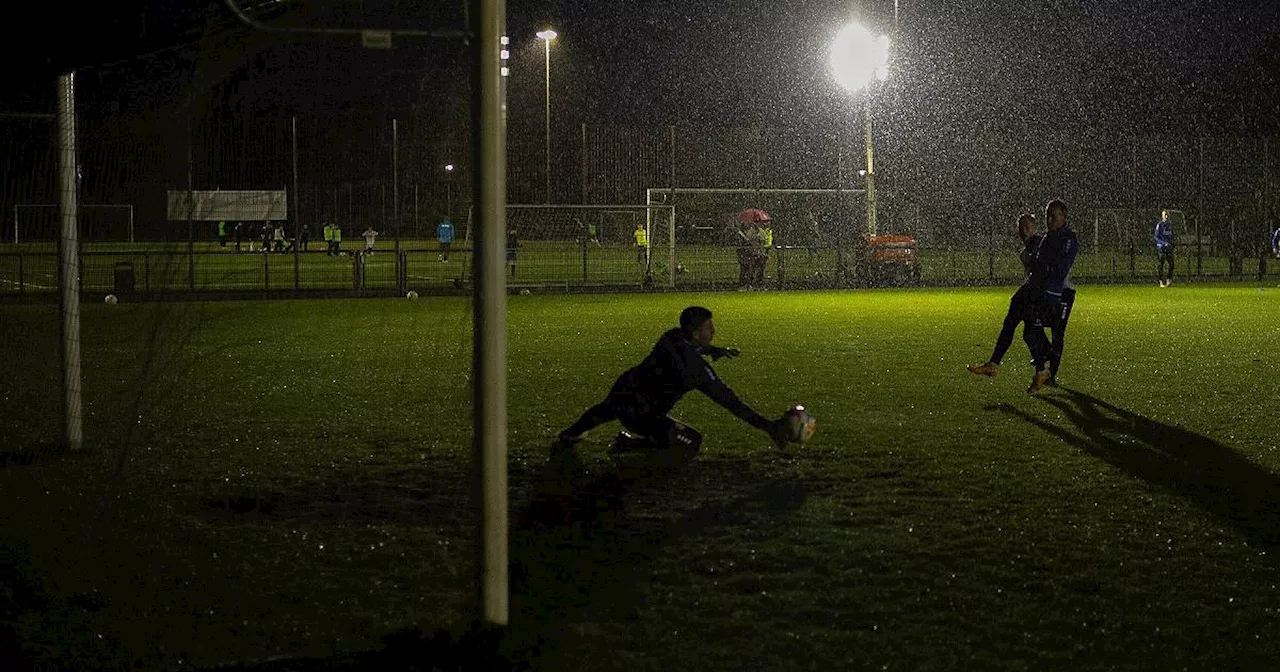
(643, 396)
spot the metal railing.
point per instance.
(570, 267)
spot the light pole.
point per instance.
(546, 36)
(859, 59)
(448, 191)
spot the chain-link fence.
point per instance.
(392, 171)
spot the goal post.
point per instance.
(706, 209)
(95, 220)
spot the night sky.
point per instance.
(973, 88)
(1130, 63)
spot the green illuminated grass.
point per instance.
(292, 478)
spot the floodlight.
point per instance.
(858, 57)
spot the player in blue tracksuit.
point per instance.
(1018, 303)
(1164, 248)
(444, 233)
(1275, 243)
(1049, 280)
(642, 396)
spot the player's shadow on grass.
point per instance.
(584, 544)
(1188, 464)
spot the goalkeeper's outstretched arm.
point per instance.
(721, 394)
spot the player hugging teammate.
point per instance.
(1044, 300)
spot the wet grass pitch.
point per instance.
(287, 485)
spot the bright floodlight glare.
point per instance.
(858, 57)
(547, 34)
(448, 166)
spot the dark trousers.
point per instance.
(757, 268)
(1059, 329)
(1012, 318)
(640, 254)
(653, 426)
(1043, 313)
(1163, 258)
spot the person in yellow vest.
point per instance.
(642, 242)
(337, 239)
(766, 241)
(328, 239)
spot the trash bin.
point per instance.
(124, 277)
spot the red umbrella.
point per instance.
(754, 215)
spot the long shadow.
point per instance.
(583, 545)
(583, 541)
(1190, 465)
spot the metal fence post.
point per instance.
(782, 267)
(991, 253)
(402, 270)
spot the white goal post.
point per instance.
(20, 207)
(723, 204)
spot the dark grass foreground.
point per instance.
(584, 547)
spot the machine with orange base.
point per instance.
(887, 260)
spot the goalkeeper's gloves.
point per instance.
(778, 432)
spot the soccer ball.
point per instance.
(412, 295)
(111, 300)
(524, 292)
(800, 424)
(680, 268)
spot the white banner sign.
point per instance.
(212, 206)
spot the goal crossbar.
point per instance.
(704, 190)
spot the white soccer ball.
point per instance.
(800, 424)
(111, 300)
(412, 295)
(524, 292)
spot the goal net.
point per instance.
(1118, 228)
(798, 217)
(97, 223)
(588, 244)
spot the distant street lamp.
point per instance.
(546, 36)
(859, 59)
